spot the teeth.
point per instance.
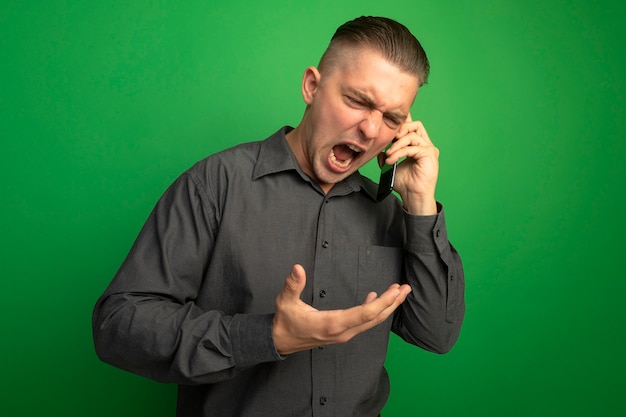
(335, 161)
(354, 148)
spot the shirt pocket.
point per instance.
(379, 267)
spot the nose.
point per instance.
(370, 125)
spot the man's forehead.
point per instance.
(361, 61)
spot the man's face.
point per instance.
(355, 110)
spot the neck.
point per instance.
(297, 142)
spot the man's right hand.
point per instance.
(298, 326)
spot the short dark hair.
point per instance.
(386, 36)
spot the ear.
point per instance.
(310, 84)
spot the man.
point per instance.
(201, 299)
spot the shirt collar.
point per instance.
(276, 156)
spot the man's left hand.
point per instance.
(416, 176)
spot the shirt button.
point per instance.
(325, 244)
(322, 400)
(322, 293)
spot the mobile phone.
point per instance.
(387, 178)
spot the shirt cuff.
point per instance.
(251, 339)
(427, 234)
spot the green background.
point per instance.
(103, 104)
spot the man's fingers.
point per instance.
(370, 297)
(408, 126)
(380, 308)
(375, 310)
(372, 313)
(295, 282)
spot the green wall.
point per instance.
(103, 104)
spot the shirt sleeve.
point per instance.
(433, 313)
(147, 321)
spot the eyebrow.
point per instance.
(397, 115)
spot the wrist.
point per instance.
(419, 205)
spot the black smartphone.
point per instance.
(387, 177)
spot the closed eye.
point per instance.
(392, 121)
(356, 102)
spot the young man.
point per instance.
(201, 299)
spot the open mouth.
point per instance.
(343, 155)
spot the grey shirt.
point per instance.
(193, 302)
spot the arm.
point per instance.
(147, 320)
(433, 313)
